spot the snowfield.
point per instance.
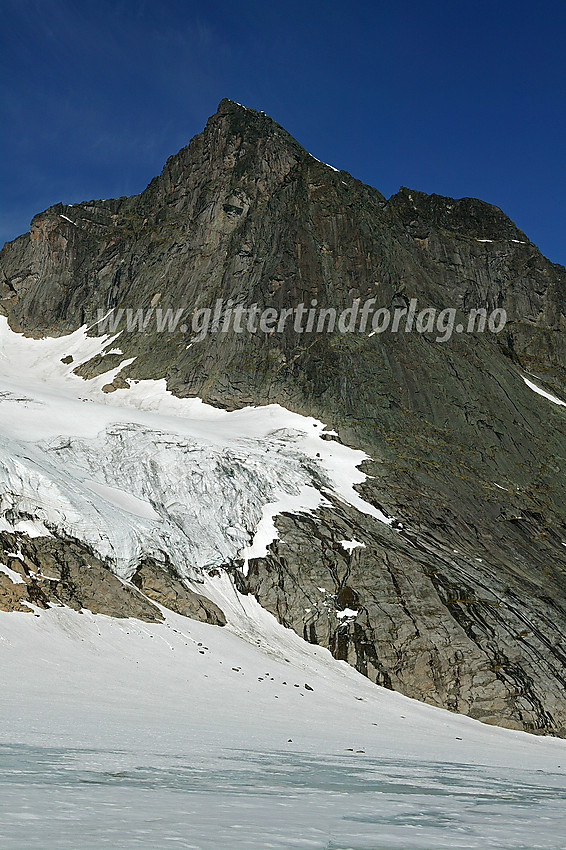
(133, 735)
(118, 733)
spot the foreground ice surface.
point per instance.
(116, 733)
(70, 798)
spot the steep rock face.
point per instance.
(420, 618)
(464, 605)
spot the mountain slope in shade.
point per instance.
(460, 601)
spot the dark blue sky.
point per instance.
(456, 97)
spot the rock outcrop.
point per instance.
(163, 587)
(46, 571)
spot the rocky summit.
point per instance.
(459, 598)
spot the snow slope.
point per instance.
(135, 735)
(140, 472)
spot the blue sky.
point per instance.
(459, 98)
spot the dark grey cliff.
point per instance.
(463, 602)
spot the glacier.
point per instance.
(139, 472)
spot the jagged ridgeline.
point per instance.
(461, 602)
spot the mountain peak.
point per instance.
(245, 119)
(464, 449)
(227, 105)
